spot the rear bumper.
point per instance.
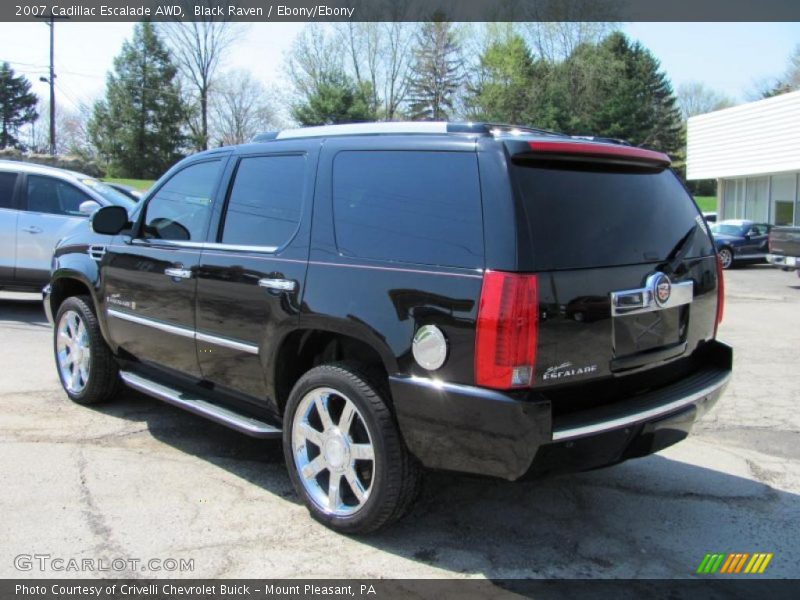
(474, 430)
(784, 262)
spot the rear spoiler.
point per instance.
(584, 150)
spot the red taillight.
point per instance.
(593, 149)
(508, 323)
(720, 295)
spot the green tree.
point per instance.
(17, 105)
(334, 98)
(641, 107)
(436, 72)
(139, 127)
(507, 81)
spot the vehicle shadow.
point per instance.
(257, 461)
(23, 308)
(654, 517)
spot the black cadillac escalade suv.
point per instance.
(388, 297)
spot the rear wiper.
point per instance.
(681, 248)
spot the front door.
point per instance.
(149, 277)
(250, 277)
(51, 210)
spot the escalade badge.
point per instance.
(662, 289)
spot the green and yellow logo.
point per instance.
(734, 563)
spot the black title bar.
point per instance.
(404, 10)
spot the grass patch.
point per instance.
(707, 203)
(137, 184)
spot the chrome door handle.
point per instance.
(178, 272)
(32, 229)
(282, 285)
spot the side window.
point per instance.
(265, 201)
(180, 208)
(7, 183)
(53, 196)
(418, 207)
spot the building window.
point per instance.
(784, 194)
(757, 199)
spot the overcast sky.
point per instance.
(728, 57)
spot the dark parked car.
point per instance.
(740, 241)
(388, 297)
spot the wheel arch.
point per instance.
(304, 348)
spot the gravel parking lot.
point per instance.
(139, 479)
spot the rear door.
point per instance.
(50, 212)
(627, 270)
(251, 273)
(9, 215)
(149, 278)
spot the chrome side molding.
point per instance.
(184, 331)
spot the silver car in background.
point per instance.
(38, 206)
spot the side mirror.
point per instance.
(109, 220)
(88, 207)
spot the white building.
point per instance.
(753, 151)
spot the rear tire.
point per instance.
(84, 362)
(726, 258)
(345, 455)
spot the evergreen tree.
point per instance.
(17, 105)
(138, 127)
(626, 95)
(505, 91)
(334, 98)
(436, 72)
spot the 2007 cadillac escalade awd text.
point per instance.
(388, 297)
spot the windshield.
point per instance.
(728, 229)
(110, 194)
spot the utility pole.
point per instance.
(52, 81)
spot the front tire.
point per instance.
(726, 258)
(85, 365)
(344, 452)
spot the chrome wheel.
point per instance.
(333, 452)
(73, 352)
(726, 258)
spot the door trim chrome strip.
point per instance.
(184, 332)
(226, 342)
(160, 325)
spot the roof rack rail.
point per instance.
(400, 127)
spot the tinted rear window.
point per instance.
(583, 215)
(417, 207)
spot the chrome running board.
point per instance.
(218, 414)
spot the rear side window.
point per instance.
(416, 207)
(583, 215)
(265, 201)
(7, 183)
